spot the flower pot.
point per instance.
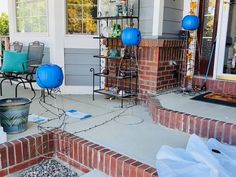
(14, 114)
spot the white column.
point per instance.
(158, 14)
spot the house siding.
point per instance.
(77, 66)
(173, 14)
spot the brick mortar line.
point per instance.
(23, 162)
(71, 160)
(105, 154)
(159, 107)
(65, 136)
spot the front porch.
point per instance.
(124, 142)
(128, 131)
(137, 132)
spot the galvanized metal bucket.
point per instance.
(14, 114)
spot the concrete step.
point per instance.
(95, 173)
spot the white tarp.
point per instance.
(199, 159)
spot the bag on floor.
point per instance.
(211, 159)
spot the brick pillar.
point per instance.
(160, 63)
(148, 67)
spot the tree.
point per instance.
(4, 24)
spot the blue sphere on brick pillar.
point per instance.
(131, 36)
(49, 76)
(190, 22)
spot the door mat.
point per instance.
(217, 98)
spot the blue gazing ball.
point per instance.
(49, 76)
(131, 36)
(190, 22)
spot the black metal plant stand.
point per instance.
(127, 73)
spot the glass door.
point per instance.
(226, 68)
(208, 14)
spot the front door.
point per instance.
(208, 14)
(226, 41)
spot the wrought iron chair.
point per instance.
(16, 46)
(35, 57)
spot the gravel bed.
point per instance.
(48, 168)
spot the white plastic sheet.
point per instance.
(199, 159)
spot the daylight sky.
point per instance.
(3, 6)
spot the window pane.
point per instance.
(89, 11)
(206, 47)
(43, 24)
(208, 24)
(80, 16)
(33, 8)
(35, 24)
(27, 24)
(31, 15)
(208, 28)
(20, 25)
(41, 8)
(89, 26)
(74, 26)
(74, 1)
(74, 11)
(210, 7)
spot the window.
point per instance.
(208, 27)
(31, 16)
(80, 16)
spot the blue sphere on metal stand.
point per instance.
(49, 76)
(131, 36)
(190, 22)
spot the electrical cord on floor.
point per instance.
(62, 116)
(101, 124)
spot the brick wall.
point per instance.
(78, 152)
(88, 155)
(203, 127)
(156, 68)
(219, 86)
(25, 152)
(160, 64)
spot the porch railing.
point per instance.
(4, 45)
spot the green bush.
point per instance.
(4, 25)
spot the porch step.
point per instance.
(95, 173)
(3, 135)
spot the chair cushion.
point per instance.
(14, 62)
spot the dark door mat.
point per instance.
(217, 98)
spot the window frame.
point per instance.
(32, 33)
(78, 34)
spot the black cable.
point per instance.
(63, 114)
(103, 123)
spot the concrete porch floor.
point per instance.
(183, 103)
(132, 133)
